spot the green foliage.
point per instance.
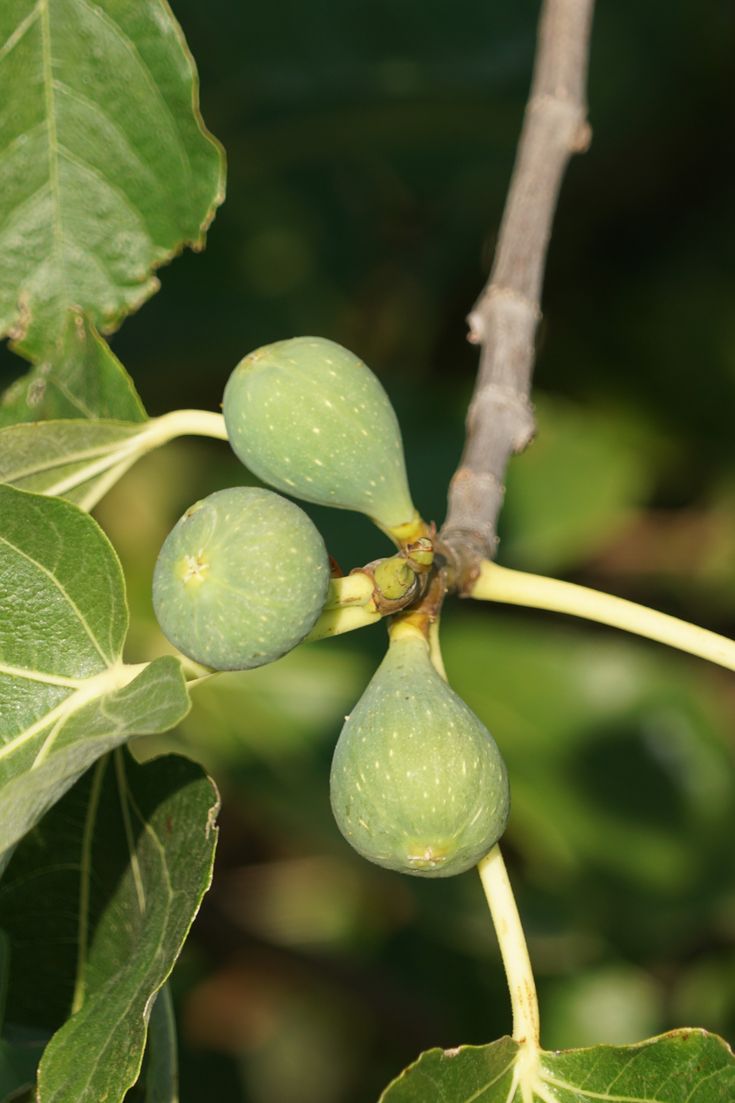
(687, 1066)
(81, 378)
(77, 460)
(417, 783)
(162, 1070)
(56, 440)
(343, 440)
(241, 579)
(106, 168)
(96, 903)
(66, 696)
(621, 759)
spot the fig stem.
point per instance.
(417, 619)
(344, 618)
(405, 628)
(435, 650)
(353, 589)
(194, 671)
(408, 532)
(511, 587)
(513, 948)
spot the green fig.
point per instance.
(417, 784)
(309, 418)
(240, 579)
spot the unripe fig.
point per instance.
(308, 417)
(240, 579)
(417, 784)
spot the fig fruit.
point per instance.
(417, 783)
(309, 418)
(240, 579)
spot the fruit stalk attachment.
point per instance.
(368, 593)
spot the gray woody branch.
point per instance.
(504, 319)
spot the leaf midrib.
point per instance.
(115, 677)
(53, 141)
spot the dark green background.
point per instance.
(370, 147)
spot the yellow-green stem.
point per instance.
(353, 589)
(406, 628)
(345, 618)
(408, 532)
(435, 649)
(194, 671)
(513, 948)
(511, 587)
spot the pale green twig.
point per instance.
(502, 584)
(513, 948)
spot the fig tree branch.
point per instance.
(504, 319)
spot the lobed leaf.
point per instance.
(97, 902)
(685, 1066)
(106, 168)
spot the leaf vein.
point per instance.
(133, 51)
(709, 1076)
(108, 660)
(110, 123)
(553, 1081)
(97, 174)
(39, 676)
(20, 32)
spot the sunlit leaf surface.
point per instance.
(685, 1066)
(106, 169)
(66, 697)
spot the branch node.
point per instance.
(582, 139)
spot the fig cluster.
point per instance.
(417, 782)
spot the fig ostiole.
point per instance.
(418, 784)
(309, 418)
(241, 579)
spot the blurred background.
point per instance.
(370, 148)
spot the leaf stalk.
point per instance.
(513, 948)
(511, 587)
